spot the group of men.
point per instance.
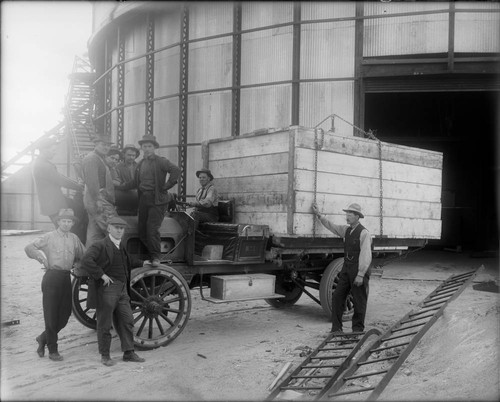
(107, 261)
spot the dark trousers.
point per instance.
(150, 217)
(200, 217)
(56, 300)
(359, 298)
(113, 308)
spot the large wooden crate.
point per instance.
(275, 176)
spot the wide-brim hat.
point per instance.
(66, 213)
(149, 138)
(356, 208)
(103, 138)
(133, 147)
(207, 171)
(117, 221)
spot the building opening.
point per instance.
(462, 125)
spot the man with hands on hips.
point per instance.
(355, 273)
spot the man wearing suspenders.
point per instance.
(355, 273)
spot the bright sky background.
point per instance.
(39, 41)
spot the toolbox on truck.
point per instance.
(241, 287)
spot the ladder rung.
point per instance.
(339, 348)
(370, 373)
(399, 336)
(292, 387)
(353, 391)
(425, 311)
(389, 347)
(311, 376)
(416, 319)
(329, 357)
(321, 366)
(383, 359)
(408, 327)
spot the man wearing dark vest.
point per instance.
(355, 273)
(207, 199)
(109, 265)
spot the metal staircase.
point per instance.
(77, 127)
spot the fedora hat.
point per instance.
(66, 213)
(354, 208)
(117, 221)
(207, 171)
(133, 147)
(102, 138)
(149, 138)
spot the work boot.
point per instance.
(131, 356)
(55, 356)
(107, 361)
(41, 347)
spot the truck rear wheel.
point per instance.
(287, 288)
(161, 305)
(79, 291)
(328, 284)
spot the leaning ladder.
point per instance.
(381, 361)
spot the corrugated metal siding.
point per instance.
(165, 121)
(210, 18)
(260, 14)
(315, 11)
(265, 107)
(194, 163)
(404, 35)
(210, 64)
(135, 71)
(477, 32)
(134, 119)
(320, 99)
(167, 28)
(209, 116)
(167, 69)
(266, 56)
(327, 50)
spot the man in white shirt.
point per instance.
(355, 273)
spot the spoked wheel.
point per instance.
(79, 291)
(161, 305)
(327, 286)
(285, 286)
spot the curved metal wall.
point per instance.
(189, 72)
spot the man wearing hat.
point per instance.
(99, 196)
(112, 160)
(57, 251)
(109, 266)
(48, 181)
(207, 199)
(355, 273)
(150, 179)
(126, 169)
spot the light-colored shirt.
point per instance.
(116, 242)
(61, 249)
(365, 243)
(207, 196)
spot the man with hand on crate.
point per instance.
(109, 266)
(355, 273)
(57, 251)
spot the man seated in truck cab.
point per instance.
(207, 199)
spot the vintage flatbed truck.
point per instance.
(268, 244)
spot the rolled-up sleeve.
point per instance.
(339, 230)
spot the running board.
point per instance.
(218, 301)
(316, 374)
(377, 365)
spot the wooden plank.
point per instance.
(291, 192)
(277, 222)
(335, 203)
(369, 149)
(252, 184)
(259, 201)
(244, 146)
(393, 227)
(251, 165)
(366, 167)
(365, 187)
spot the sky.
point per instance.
(39, 41)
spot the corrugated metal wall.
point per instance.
(477, 32)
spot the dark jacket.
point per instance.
(162, 167)
(124, 173)
(48, 182)
(96, 261)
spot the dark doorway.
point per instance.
(462, 125)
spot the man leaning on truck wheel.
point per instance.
(355, 274)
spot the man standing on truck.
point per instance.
(355, 274)
(150, 180)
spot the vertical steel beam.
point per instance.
(98, 89)
(107, 87)
(359, 92)
(183, 101)
(150, 73)
(235, 120)
(120, 100)
(296, 64)
(451, 37)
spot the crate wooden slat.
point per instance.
(271, 176)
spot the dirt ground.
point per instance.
(234, 351)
